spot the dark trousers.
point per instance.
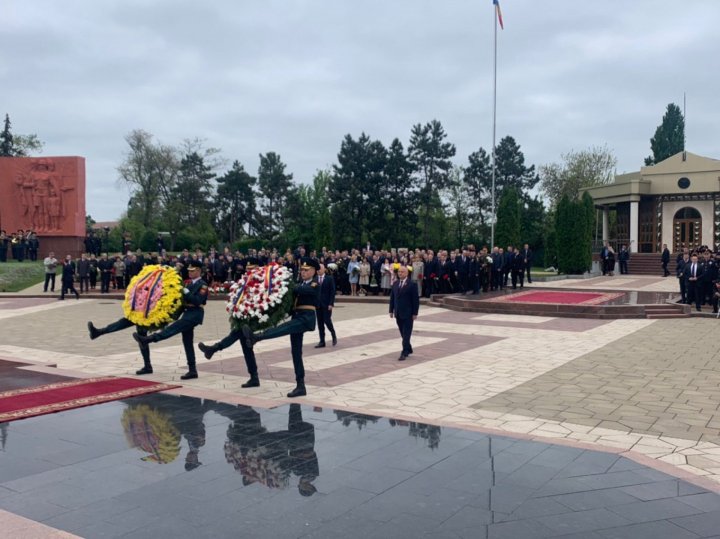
(683, 290)
(518, 276)
(68, 286)
(93, 279)
(248, 353)
(405, 325)
(105, 282)
(120, 282)
(84, 283)
(623, 267)
(665, 270)
(302, 321)
(694, 292)
(185, 325)
(49, 279)
(324, 318)
(124, 323)
(527, 273)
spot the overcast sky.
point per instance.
(295, 76)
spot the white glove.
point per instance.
(186, 291)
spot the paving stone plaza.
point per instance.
(497, 426)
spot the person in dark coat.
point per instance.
(194, 297)
(404, 307)
(693, 277)
(326, 302)
(680, 274)
(624, 258)
(665, 260)
(527, 255)
(68, 278)
(303, 319)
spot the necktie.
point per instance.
(693, 270)
(321, 279)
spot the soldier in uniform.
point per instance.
(237, 335)
(303, 319)
(194, 297)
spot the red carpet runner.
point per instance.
(39, 400)
(563, 298)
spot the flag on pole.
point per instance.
(499, 13)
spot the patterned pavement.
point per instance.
(645, 389)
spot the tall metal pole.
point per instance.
(492, 217)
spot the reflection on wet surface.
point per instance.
(167, 466)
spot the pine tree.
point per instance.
(235, 200)
(669, 136)
(6, 139)
(508, 218)
(275, 187)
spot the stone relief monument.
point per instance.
(45, 195)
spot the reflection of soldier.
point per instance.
(154, 423)
(270, 458)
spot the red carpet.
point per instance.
(45, 399)
(561, 297)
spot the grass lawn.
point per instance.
(16, 276)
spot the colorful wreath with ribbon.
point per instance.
(262, 298)
(154, 296)
(151, 431)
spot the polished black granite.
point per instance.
(160, 466)
(14, 376)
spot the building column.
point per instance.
(605, 223)
(634, 225)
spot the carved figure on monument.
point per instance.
(41, 196)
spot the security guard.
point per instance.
(303, 319)
(194, 296)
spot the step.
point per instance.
(664, 316)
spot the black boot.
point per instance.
(208, 351)
(299, 390)
(253, 382)
(189, 375)
(94, 332)
(143, 340)
(334, 337)
(147, 369)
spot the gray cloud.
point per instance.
(295, 76)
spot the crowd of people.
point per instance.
(21, 245)
(698, 275)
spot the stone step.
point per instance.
(663, 316)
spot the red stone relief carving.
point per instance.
(43, 194)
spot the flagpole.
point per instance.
(492, 217)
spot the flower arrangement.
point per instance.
(154, 297)
(151, 431)
(223, 288)
(261, 298)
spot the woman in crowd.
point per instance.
(417, 272)
(386, 272)
(364, 277)
(354, 274)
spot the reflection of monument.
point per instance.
(431, 433)
(46, 195)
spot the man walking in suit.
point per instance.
(693, 277)
(527, 255)
(326, 303)
(665, 260)
(404, 307)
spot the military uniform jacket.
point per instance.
(307, 295)
(194, 300)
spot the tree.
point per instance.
(235, 200)
(573, 231)
(511, 170)
(17, 145)
(430, 157)
(274, 189)
(192, 192)
(398, 198)
(508, 218)
(477, 179)
(669, 136)
(356, 182)
(320, 203)
(459, 208)
(579, 169)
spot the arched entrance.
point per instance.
(687, 229)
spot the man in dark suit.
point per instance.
(693, 278)
(517, 270)
(604, 256)
(68, 277)
(527, 255)
(508, 260)
(665, 260)
(326, 303)
(680, 273)
(462, 271)
(404, 307)
(194, 297)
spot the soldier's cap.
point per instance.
(307, 263)
(252, 262)
(195, 264)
